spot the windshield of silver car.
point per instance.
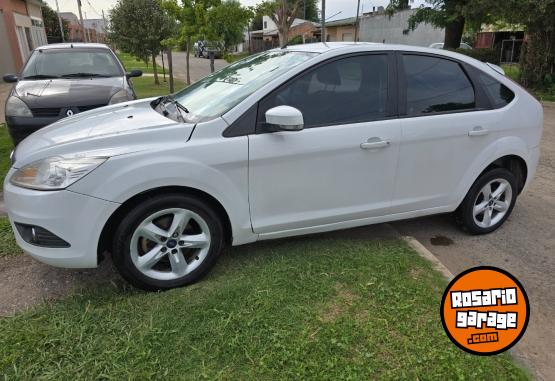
(218, 93)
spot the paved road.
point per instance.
(525, 246)
(4, 90)
(199, 67)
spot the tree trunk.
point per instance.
(283, 32)
(537, 58)
(211, 55)
(170, 69)
(453, 33)
(187, 59)
(155, 69)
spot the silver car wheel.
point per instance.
(492, 203)
(170, 244)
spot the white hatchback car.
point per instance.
(299, 140)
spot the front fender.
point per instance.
(218, 170)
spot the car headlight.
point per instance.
(120, 96)
(55, 173)
(16, 107)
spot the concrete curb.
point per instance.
(427, 254)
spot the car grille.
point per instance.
(45, 112)
(56, 111)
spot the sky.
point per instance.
(347, 8)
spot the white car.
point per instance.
(439, 45)
(292, 141)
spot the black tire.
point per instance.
(121, 247)
(464, 215)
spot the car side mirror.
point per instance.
(10, 78)
(134, 73)
(285, 118)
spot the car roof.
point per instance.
(71, 45)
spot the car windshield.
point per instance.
(218, 93)
(71, 63)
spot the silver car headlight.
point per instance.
(120, 96)
(55, 173)
(16, 107)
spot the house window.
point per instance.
(265, 24)
(23, 44)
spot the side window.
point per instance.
(499, 94)
(436, 85)
(348, 90)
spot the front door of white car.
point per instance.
(444, 130)
(342, 165)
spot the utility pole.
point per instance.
(324, 21)
(60, 22)
(356, 23)
(82, 23)
(87, 30)
(104, 27)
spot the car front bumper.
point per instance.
(76, 218)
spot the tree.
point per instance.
(227, 23)
(308, 10)
(282, 13)
(52, 24)
(192, 16)
(139, 27)
(452, 15)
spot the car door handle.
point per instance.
(374, 143)
(478, 131)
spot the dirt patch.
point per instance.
(342, 300)
(440, 240)
(25, 282)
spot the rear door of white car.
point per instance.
(446, 122)
(342, 165)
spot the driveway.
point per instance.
(199, 67)
(4, 91)
(524, 246)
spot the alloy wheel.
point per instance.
(492, 203)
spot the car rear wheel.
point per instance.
(167, 241)
(489, 202)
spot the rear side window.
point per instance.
(436, 85)
(499, 94)
(348, 90)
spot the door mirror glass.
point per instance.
(10, 78)
(285, 118)
(134, 73)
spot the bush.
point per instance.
(484, 55)
(296, 40)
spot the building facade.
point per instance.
(21, 31)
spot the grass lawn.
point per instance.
(311, 308)
(7, 240)
(131, 62)
(145, 87)
(6, 147)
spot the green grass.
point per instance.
(6, 147)
(145, 87)
(311, 308)
(231, 58)
(131, 62)
(7, 240)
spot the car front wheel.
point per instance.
(489, 202)
(167, 241)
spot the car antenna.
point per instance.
(71, 46)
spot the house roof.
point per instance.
(341, 22)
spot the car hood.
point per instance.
(120, 127)
(68, 92)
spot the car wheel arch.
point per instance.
(107, 234)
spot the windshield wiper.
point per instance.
(83, 75)
(169, 99)
(40, 76)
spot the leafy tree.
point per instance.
(227, 22)
(308, 10)
(139, 27)
(453, 15)
(52, 24)
(192, 16)
(283, 13)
